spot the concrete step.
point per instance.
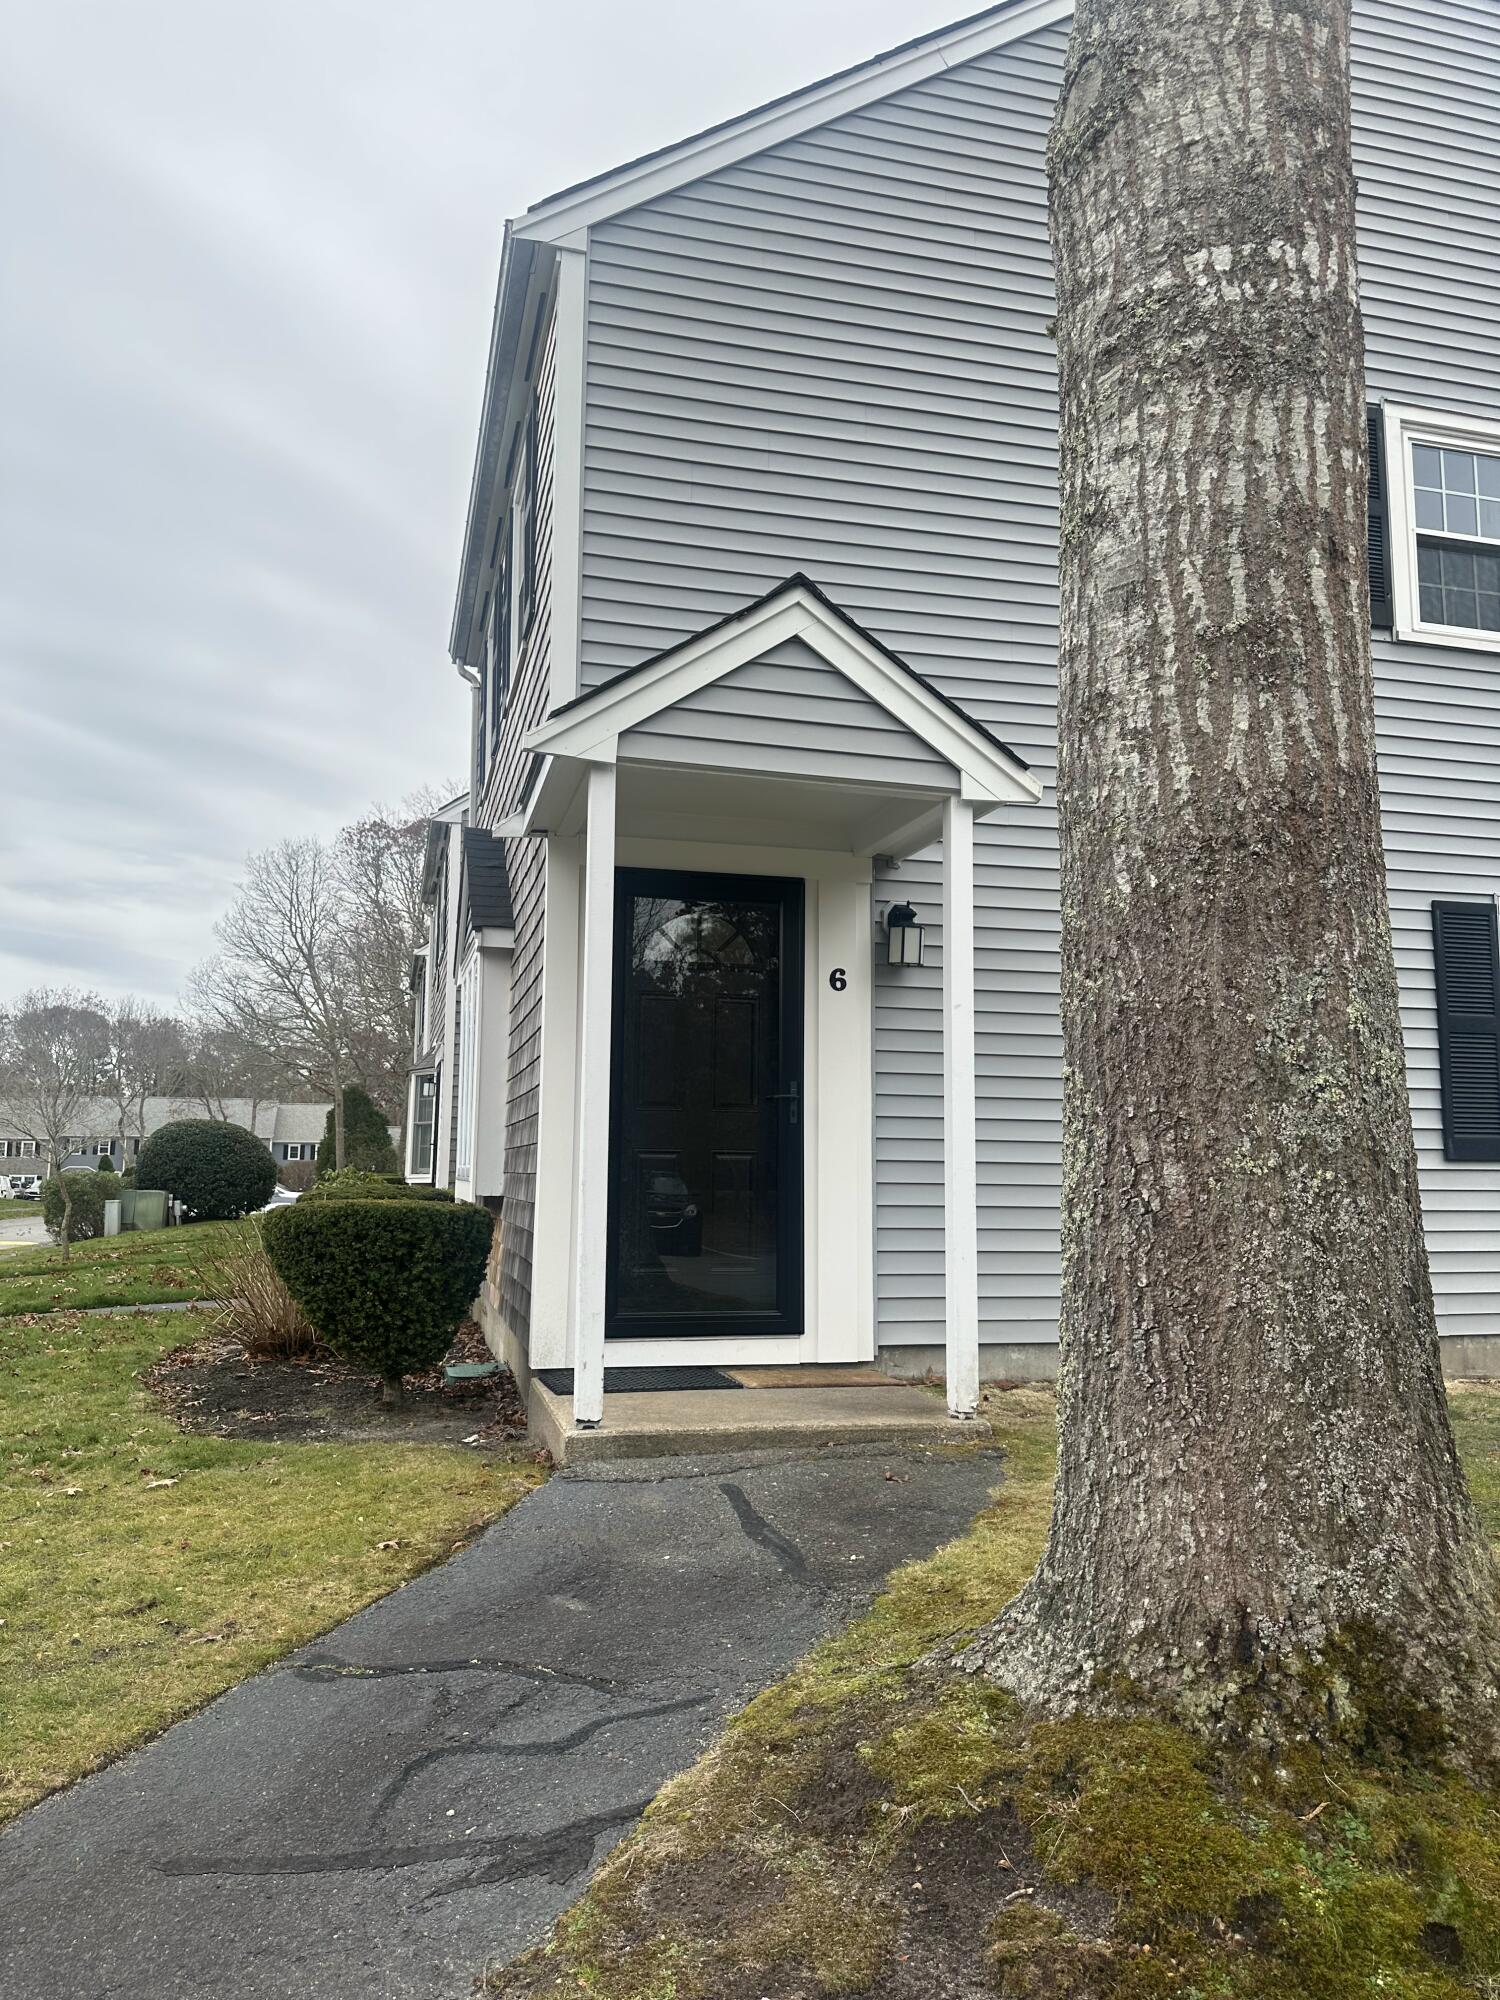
(674, 1422)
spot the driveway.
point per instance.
(425, 1788)
(19, 1232)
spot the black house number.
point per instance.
(838, 979)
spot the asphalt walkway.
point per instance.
(425, 1788)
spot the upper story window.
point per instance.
(497, 652)
(1445, 527)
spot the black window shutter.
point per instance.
(1467, 954)
(1378, 557)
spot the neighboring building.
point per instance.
(460, 985)
(292, 1131)
(759, 592)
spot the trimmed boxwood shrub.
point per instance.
(386, 1283)
(89, 1191)
(216, 1171)
(104, 1164)
(350, 1184)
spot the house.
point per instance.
(460, 987)
(758, 605)
(292, 1131)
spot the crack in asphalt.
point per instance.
(760, 1531)
(559, 1854)
(539, 1746)
(352, 1670)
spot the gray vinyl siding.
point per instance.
(782, 713)
(1427, 143)
(525, 861)
(834, 358)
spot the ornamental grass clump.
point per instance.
(386, 1284)
(254, 1306)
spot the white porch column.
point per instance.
(960, 1136)
(595, 1024)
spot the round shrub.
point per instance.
(216, 1171)
(89, 1192)
(104, 1164)
(353, 1184)
(387, 1284)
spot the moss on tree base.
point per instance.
(873, 1826)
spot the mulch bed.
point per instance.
(212, 1386)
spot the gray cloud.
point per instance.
(249, 252)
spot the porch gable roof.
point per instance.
(589, 727)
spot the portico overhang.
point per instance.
(891, 805)
(784, 730)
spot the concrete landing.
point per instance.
(676, 1422)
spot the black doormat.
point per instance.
(560, 1380)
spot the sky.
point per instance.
(248, 252)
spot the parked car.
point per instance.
(672, 1217)
(21, 1187)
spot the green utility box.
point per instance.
(143, 1208)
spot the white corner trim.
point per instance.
(591, 730)
(570, 362)
(1406, 425)
(558, 219)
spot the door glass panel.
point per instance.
(705, 1106)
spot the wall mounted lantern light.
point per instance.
(903, 935)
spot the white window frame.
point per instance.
(1406, 426)
(418, 1169)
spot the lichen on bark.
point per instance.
(1261, 1524)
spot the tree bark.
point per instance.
(1260, 1523)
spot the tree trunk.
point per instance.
(1260, 1522)
(65, 1239)
(339, 1150)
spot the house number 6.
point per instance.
(838, 979)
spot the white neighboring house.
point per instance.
(292, 1131)
(460, 983)
(758, 598)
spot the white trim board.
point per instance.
(838, 1123)
(989, 775)
(565, 218)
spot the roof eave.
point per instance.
(517, 265)
(560, 217)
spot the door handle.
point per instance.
(791, 1095)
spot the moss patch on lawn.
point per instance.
(876, 1825)
(145, 1267)
(144, 1570)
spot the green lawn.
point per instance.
(9, 1205)
(143, 1570)
(149, 1267)
(869, 1823)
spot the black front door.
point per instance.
(706, 1125)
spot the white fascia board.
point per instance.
(591, 731)
(561, 218)
(496, 937)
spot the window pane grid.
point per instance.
(1456, 496)
(1456, 492)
